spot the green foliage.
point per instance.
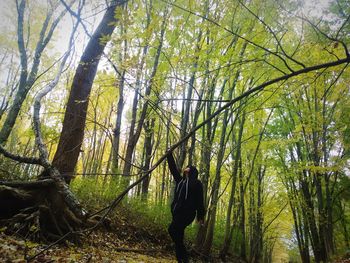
(96, 191)
(307, 135)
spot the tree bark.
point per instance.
(134, 135)
(209, 131)
(237, 157)
(148, 146)
(187, 104)
(72, 134)
(120, 105)
(216, 184)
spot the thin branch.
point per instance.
(29, 185)
(77, 16)
(18, 158)
(275, 37)
(229, 31)
(317, 29)
(185, 99)
(255, 90)
(275, 217)
(342, 26)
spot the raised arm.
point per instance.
(172, 167)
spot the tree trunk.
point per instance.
(258, 230)
(148, 145)
(167, 139)
(243, 252)
(208, 133)
(72, 134)
(134, 135)
(236, 157)
(187, 105)
(216, 185)
(120, 105)
(118, 124)
(130, 144)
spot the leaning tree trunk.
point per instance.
(73, 127)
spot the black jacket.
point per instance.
(188, 195)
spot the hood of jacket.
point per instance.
(193, 173)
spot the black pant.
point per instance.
(176, 231)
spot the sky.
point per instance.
(92, 14)
(313, 7)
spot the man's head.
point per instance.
(191, 172)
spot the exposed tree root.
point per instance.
(39, 211)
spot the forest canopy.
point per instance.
(95, 94)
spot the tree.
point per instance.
(72, 133)
(28, 76)
(46, 208)
(266, 126)
(135, 134)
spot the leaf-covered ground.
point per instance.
(102, 248)
(129, 239)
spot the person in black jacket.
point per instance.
(187, 203)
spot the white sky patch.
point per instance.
(315, 8)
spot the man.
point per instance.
(188, 201)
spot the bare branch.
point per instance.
(275, 37)
(77, 16)
(342, 26)
(317, 29)
(29, 185)
(231, 32)
(19, 158)
(250, 92)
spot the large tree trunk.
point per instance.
(73, 127)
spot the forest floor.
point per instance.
(130, 239)
(125, 241)
(14, 249)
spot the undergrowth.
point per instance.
(98, 192)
